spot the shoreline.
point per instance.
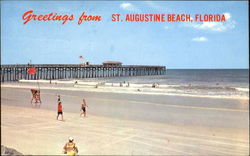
(91, 87)
(156, 108)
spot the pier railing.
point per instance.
(76, 71)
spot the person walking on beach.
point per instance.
(59, 110)
(83, 108)
(70, 147)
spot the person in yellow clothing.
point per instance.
(70, 147)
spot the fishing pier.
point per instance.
(76, 71)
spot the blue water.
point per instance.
(208, 77)
(196, 81)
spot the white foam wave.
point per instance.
(243, 89)
(125, 90)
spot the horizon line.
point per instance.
(141, 65)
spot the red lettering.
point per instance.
(84, 17)
(50, 16)
(81, 18)
(163, 17)
(65, 18)
(40, 17)
(115, 17)
(71, 17)
(27, 16)
(223, 18)
(45, 17)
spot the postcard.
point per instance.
(124, 78)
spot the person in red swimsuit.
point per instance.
(59, 110)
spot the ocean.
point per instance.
(226, 82)
(218, 83)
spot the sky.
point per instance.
(176, 45)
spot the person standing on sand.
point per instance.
(83, 108)
(70, 147)
(59, 110)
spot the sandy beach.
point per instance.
(124, 124)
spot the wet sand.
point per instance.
(125, 124)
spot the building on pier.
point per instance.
(111, 63)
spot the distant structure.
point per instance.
(77, 71)
(111, 63)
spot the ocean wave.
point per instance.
(141, 85)
(137, 89)
(205, 87)
(243, 89)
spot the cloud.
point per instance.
(199, 39)
(227, 15)
(215, 26)
(156, 6)
(128, 6)
(166, 27)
